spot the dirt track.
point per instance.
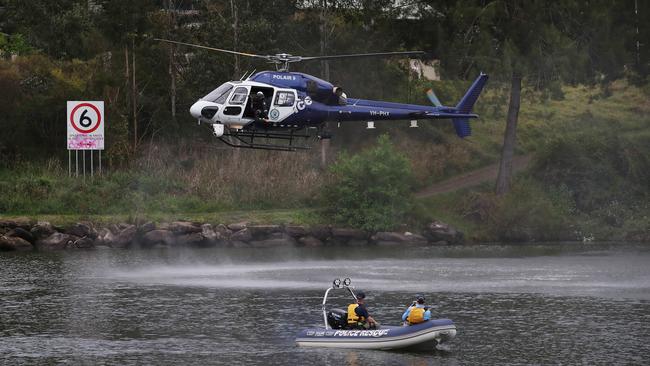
(472, 178)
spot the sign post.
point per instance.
(85, 120)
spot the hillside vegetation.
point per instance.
(583, 120)
(589, 176)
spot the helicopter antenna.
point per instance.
(242, 76)
(282, 60)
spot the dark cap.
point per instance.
(419, 298)
(361, 295)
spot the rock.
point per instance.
(209, 233)
(211, 236)
(223, 230)
(310, 241)
(105, 237)
(125, 237)
(238, 226)
(7, 224)
(80, 229)
(346, 233)
(14, 243)
(21, 222)
(281, 240)
(415, 238)
(191, 239)
(295, 231)
(83, 243)
(438, 231)
(56, 241)
(388, 236)
(158, 237)
(263, 231)
(384, 238)
(41, 230)
(146, 227)
(183, 227)
(320, 232)
(19, 232)
(241, 235)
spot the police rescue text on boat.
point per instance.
(337, 333)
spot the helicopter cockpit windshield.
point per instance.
(220, 94)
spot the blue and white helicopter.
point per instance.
(295, 102)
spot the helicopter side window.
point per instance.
(285, 99)
(220, 94)
(239, 96)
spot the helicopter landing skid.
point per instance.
(246, 140)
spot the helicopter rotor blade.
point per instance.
(213, 49)
(401, 53)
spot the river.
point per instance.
(534, 304)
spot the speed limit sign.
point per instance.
(85, 125)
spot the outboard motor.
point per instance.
(337, 318)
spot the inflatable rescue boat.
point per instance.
(336, 334)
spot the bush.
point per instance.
(370, 190)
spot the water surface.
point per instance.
(512, 305)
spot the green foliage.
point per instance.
(370, 190)
(14, 45)
(598, 168)
(531, 213)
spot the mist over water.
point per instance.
(590, 273)
(533, 304)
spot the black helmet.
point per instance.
(361, 295)
(419, 298)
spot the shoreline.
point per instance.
(24, 234)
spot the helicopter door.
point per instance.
(283, 105)
(232, 114)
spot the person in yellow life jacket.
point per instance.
(358, 316)
(417, 312)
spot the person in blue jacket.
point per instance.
(417, 312)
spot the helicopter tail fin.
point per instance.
(466, 104)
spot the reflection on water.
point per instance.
(544, 304)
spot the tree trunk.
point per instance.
(172, 64)
(172, 74)
(134, 101)
(235, 35)
(504, 179)
(324, 73)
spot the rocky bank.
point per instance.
(27, 235)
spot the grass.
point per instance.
(303, 216)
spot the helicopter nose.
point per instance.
(195, 109)
(203, 110)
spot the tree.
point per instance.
(370, 190)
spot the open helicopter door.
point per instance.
(232, 113)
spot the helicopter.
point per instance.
(282, 106)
